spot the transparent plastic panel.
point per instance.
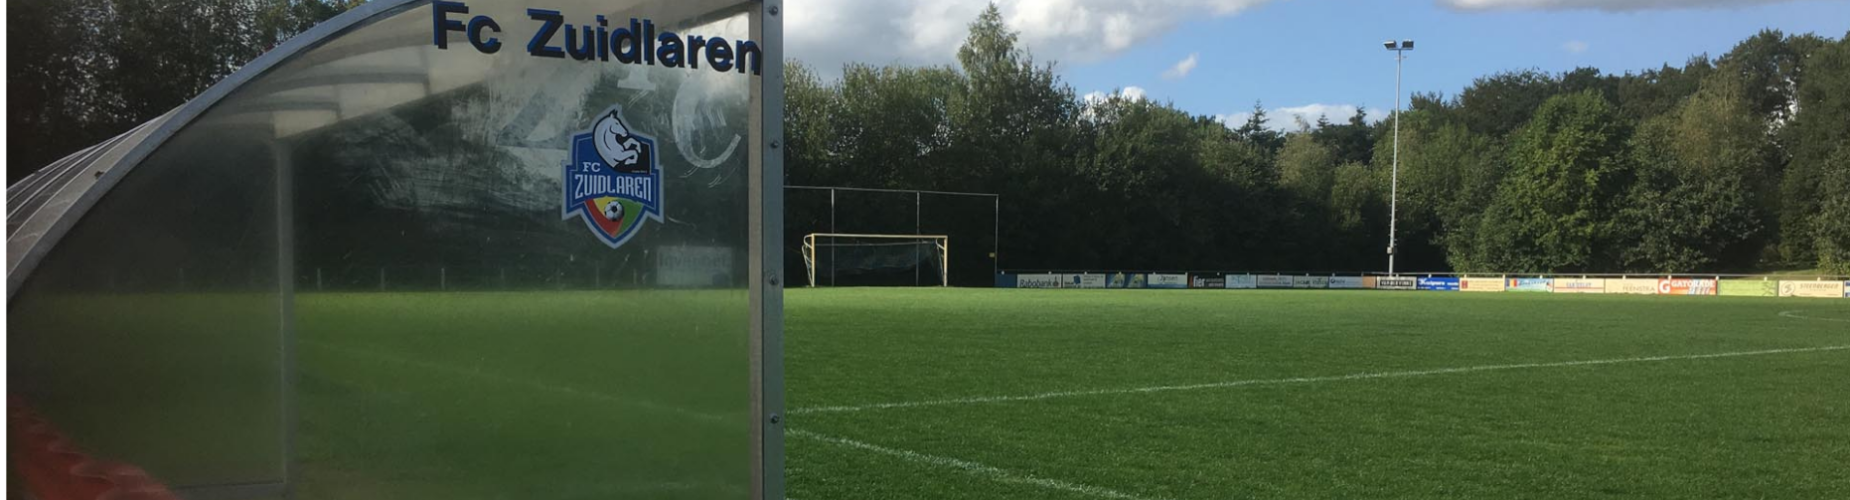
(512, 276)
(152, 335)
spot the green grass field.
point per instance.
(1089, 395)
(1017, 394)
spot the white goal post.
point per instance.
(938, 242)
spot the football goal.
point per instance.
(877, 259)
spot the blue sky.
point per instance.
(1303, 56)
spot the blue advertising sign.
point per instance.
(1529, 285)
(1439, 284)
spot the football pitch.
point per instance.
(1116, 394)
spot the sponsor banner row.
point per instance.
(1629, 286)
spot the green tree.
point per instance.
(1832, 223)
(1695, 205)
(1257, 130)
(1497, 105)
(1448, 176)
(1352, 141)
(85, 70)
(1819, 128)
(1306, 168)
(1554, 211)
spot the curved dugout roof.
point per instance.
(44, 205)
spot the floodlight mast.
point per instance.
(1394, 184)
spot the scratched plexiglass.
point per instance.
(358, 275)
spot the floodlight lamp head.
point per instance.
(1389, 44)
(1406, 45)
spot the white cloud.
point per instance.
(1183, 67)
(1131, 93)
(1575, 46)
(1606, 5)
(1289, 118)
(827, 33)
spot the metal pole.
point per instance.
(995, 240)
(917, 205)
(1394, 183)
(443, 278)
(285, 292)
(832, 229)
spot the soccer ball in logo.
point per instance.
(614, 211)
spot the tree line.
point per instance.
(1738, 163)
(1733, 163)
(81, 71)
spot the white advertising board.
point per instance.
(1037, 281)
(1168, 281)
(1346, 282)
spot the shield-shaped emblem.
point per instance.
(612, 179)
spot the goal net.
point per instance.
(839, 259)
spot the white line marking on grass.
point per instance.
(1299, 380)
(1796, 315)
(994, 473)
(531, 384)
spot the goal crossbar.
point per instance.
(942, 242)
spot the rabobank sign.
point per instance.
(637, 42)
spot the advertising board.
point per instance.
(1685, 286)
(1242, 281)
(1207, 280)
(1310, 282)
(1579, 285)
(1469, 284)
(1168, 281)
(1369, 282)
(1274, 281)
(1137, 280)
(1084, 281)
(1396, 283)
(1832, 289)
(1748, 288)
(1040, 280)
(1632, 286)
(1116, 280)
(1439, 284)
(1347, 282)
(692, 266)
(1528, 285)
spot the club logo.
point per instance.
(612, 179)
